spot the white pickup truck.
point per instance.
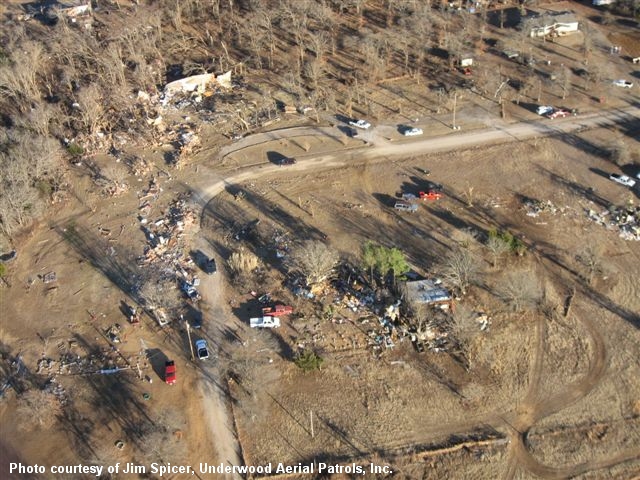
(264, 322)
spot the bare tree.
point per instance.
(265, 17)
(502, 17)
(315, 71)
(464, 328)
(315, 261)
(38, 408)
(116, 173)
(19, 78)
(159, 290)
(163, 439)
(295, 15)
(420, 316)
(587, 41)
(590, 261)
(497, 247)
(520, 290)
(319, 44)
(91, 108)
(565, 81)
(619, 152)
(607, 18)
(31, 170)
(374, 56)
(460, 269)
(242, 263)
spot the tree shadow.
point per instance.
(585, 192)
(512, 17)
(117, 396)
(115, 263)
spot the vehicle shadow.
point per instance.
(343, 118)
(384, 199)
(276, 158)
(199, 258)
(348, 131)
(157, 360)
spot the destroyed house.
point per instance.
(551, 24)
(428, 292)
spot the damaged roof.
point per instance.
(426, 291)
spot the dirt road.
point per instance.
(517, 422)
(212, 387)
(380, 146)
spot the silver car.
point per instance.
(202, 352)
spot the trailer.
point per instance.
(278, 310)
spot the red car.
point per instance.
(430, 195)
(170, 372)
(560, 113)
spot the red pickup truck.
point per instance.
(430, 195)
(170, 372)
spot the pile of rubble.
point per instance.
(116, 189)
(70, 363)
(280, 243)
(164, 235)
(536, 207)
(377, 313)
(625, 220)
(187, 143)
(138, 166)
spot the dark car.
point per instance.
(287, 161)
(209, 266)
(196, 321)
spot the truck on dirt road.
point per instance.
(264, 322)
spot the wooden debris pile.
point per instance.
(625, 220)
(165, 234)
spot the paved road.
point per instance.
(517, 422)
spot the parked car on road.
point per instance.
(412, 132)
(202, 351)
(360, 124)
(623, 83)
(544, 110)
(622, 179)
(286, 161)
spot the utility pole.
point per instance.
(311, 420)
(540, 90)
(455, 102)
(193, 357)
